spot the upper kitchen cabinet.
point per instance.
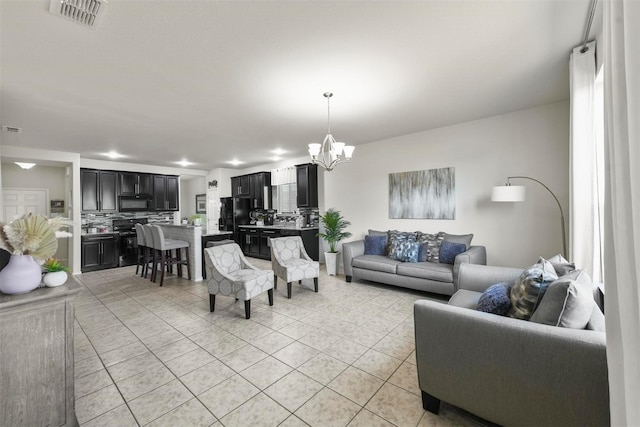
(256, 186)
(99, 190)
(307, 185)
(165, 193)
(260, 190)
(135, 184)
(241, 186)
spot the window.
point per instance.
(286, 198)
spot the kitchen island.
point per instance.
(254, 239)
(197, 237)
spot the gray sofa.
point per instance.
(505, 370)
(423, 276)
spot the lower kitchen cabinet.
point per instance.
(254, 242)
(99, 252)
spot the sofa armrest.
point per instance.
(510, 371)
(474, 277)
(473, 255)
(351, 250)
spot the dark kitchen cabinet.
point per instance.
(256, 187)
(241, 186)
(165, 193)
(307, 185)
(135, 184)
(265, 244)
(99, 190)
(250, 241)
(99, 252)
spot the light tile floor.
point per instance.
(151, 355)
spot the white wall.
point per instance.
(188, 190)
(532, 142)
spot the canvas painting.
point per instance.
(426, 194)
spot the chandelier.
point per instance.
(330, 153)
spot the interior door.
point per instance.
(18, 202)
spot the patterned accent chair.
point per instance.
(290, 261)
(229, 273)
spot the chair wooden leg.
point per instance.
(179, 262)
(188, 263)
(299, 282)
(270, 293)
(212, 303)
(163, 263)
(275, 282)
(139, 259)
(289, 290)
(315, 283)
(247, 308)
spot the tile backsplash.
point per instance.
(105, 220)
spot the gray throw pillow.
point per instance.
(377, 233)
(568, 302)
(561, 265)
(459, 238)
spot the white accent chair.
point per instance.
(229, 273)
(290, 261)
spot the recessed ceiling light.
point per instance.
(235, 162)
(184, 163)
(113, 155)
(275, 158)
(25, 165)
(278, 151)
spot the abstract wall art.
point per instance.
(426, 194)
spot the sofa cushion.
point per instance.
(375, 244)
(449, 251)
(561, 265)
(465, 298)
(433, 241)
(375, 263)
(495, 299)
(459, 238)
(596, 321)
(529, 289)
(568, 302)
(427, 270)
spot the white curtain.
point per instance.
(286, 175)
(584, 207)
(622, 213)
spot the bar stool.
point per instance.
(164, 248)
(143, 251)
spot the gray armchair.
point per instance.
(508, 371)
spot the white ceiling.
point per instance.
(212, 81)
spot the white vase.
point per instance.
(55, 278)
(21, 275)
(332, 261)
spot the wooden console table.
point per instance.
(36, 357)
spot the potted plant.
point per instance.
(334, 226)
(30, 239)
(55, 273)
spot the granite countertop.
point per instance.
(279, 227)
(179, 225)
(98, 233)
(217, 233)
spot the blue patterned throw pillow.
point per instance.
(433, 242)
(449, 251)
(529, 289)
(495, 299)
(404, 250)
(375, 245)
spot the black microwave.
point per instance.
(135, 203)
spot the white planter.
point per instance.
(332, 261)
(54, 279)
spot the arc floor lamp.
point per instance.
(516, 193)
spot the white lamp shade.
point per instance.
(348, 151)
(314, 149)
(25, 165)
(508, 193)
(338, 147)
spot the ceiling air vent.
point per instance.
(11, 129)
(85, 12)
